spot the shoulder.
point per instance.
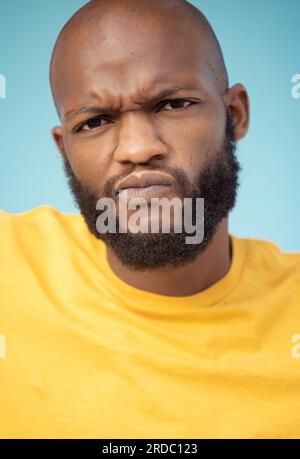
(38, 223)
(45, 210)
(266, 255)
(38, 215)
(263, 247)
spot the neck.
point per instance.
(207, 269)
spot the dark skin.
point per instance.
(121, 66)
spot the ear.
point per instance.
(237, 100)
(58, 139)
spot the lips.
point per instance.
(151, 191)
(144, 183)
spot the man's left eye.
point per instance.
(177, 103)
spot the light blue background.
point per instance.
(260, 41)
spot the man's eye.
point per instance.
(176, 103)
(90, 124)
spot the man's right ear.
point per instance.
(58, 139)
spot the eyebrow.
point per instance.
(96, 109)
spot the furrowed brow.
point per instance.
(97, 109)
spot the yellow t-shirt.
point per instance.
(85, 355)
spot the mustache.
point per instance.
(181, 180)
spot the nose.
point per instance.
(138, 141)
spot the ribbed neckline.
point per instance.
(145, 301)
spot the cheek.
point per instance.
(197, 138)
(87, 163)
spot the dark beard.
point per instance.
(217, 183)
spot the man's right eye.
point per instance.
(90, 125)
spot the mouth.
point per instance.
(145, 185)
(146, 192)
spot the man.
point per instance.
(132, 334)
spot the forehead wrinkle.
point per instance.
(159, 94)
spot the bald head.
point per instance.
(90, 26)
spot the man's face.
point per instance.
(120, 68)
